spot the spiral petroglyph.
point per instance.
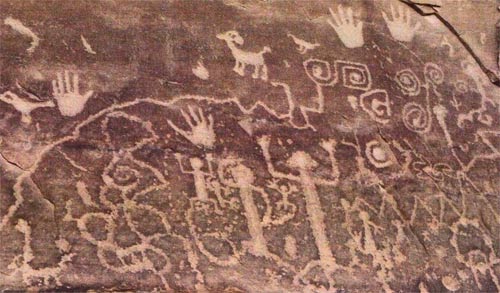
(245, 146)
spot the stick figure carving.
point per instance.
(305, 164)
(244, 58)
(243, 180)
(199, 175)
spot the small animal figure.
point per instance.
(304, 46)
(23, 105)
(244, 58)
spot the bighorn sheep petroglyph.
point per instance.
(244, 58)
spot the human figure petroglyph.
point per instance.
(24, 106)
(286, 190)
(235, 175)
(243, 180)
(66, 92)
(415, 218)
(244, 58)
(350, 33)
(202, 128)
(304, 46)
(202, 179)
(400, 24)
(364, 241)
(441, 113)
(305, 164)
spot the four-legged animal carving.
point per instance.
(244, 58)
(304, 46)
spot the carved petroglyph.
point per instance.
(202, 128)
(200, 183)
(354, 75)
(305, 164)
(349, 32)
(400, 24)
(303, 46)
(125, 172)
(482, 117)
(378, 154)
(23, 105)
(201, 71)
(66, 91)
(446, 43)
(87, 46)
(408, 82)
(450, 283)
(244, 58)
(84, 194)
(433, 73)
(416, 118)
(242, 178)
(21, 264)
(320, 73)
(377, 105)
(19, 27)
(366, 177)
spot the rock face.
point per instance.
(255, 146)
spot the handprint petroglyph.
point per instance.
(370, 164)
(400, 24)
(202, 128)
(66, 91)
(349, 32)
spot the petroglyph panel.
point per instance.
(244, 146)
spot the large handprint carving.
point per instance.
(400, 26)
(66, 92)
(202, 129)
(350, 34)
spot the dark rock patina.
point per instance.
(256, 146)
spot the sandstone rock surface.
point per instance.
(244, 146)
